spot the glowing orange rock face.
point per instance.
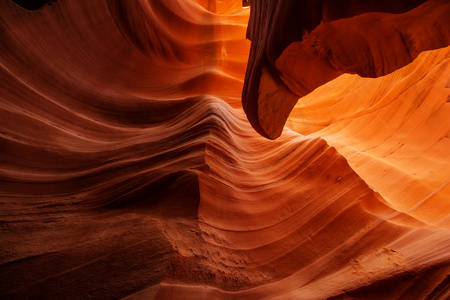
(393, 130)
(291, 49)
(128, 167)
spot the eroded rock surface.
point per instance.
(128, 167)
(300, 45)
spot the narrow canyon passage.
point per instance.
(196, 149)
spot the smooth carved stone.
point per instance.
(128, 169)
(304, 44)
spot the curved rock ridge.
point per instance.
(299, 45)
(128, 168)
(393, 130)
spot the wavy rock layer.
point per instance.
(393, 130)
(299, 45)
(128, 168)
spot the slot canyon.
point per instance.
(225, 149)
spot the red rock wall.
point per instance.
(128, 167)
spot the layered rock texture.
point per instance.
(298, 46)
(129, 169)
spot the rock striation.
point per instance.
(298, 46)
(129, 169)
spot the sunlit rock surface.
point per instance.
(299, 45)
(128, 167)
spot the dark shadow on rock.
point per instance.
(33, 4)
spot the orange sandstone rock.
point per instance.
(128, 168)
